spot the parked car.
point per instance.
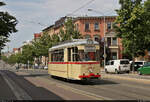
(45, 67)
(118, 66)
(137, 64)
(145, 69)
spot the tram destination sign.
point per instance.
(90, 49)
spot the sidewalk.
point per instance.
(126, 76)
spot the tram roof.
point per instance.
(74, 42)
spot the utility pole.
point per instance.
(104, 19)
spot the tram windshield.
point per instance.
(86, 56)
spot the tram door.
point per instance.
(72, 57)
(69, 59)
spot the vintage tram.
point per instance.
(77, 59)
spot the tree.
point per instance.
(12, 59)
(4, 58)
(7, 26)
(133, 27)
(55, 39)
(42, 45)
(69, 31)
(27, 54)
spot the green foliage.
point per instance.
(27, 54)
(69, 31)
(55, 39)
(133, 27)
(41, 47)
(12, 59)
(4, 58)
(7, 26)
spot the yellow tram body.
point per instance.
(69, 61)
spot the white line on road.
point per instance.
(18, 91)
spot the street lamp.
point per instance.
(104, 32)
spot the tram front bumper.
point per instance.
(90, 76)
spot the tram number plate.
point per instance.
(90, 49)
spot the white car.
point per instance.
(45, 67)
(118, 66)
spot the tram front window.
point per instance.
(88, 56)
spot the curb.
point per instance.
(147, 81)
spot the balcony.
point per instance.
(113, 46)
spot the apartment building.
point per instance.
(16, 50)
(37, 36)
(93, 27)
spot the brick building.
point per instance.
(93, 27)
(37, 36)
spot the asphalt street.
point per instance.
(106, 88)
(5, 91)
(38, 85)
(22, 89)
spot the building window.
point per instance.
(114, 55)
(108, 25)
(108, 41)
(96, 38)
(114, 41)
(96, 26)
(77, 26)
(87, 26)
(87, 36)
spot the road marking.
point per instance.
(85, 93)
(18, 91)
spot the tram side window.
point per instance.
(57, 56)
(75, 54)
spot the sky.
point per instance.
(35, 15)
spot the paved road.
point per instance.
(16, 87)
(107, 88)
(5, 91)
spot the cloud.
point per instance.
(31, 12)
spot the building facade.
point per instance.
(93, 27)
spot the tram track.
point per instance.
(75, 90)
(120, 91)
(105, 90)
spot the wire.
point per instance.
(81, 7)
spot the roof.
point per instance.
(48, 28)
(94, 17)
(74, 42)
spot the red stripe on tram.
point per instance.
(74, 62)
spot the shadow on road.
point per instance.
(37, 93)
(33, 75)
(86, 82)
